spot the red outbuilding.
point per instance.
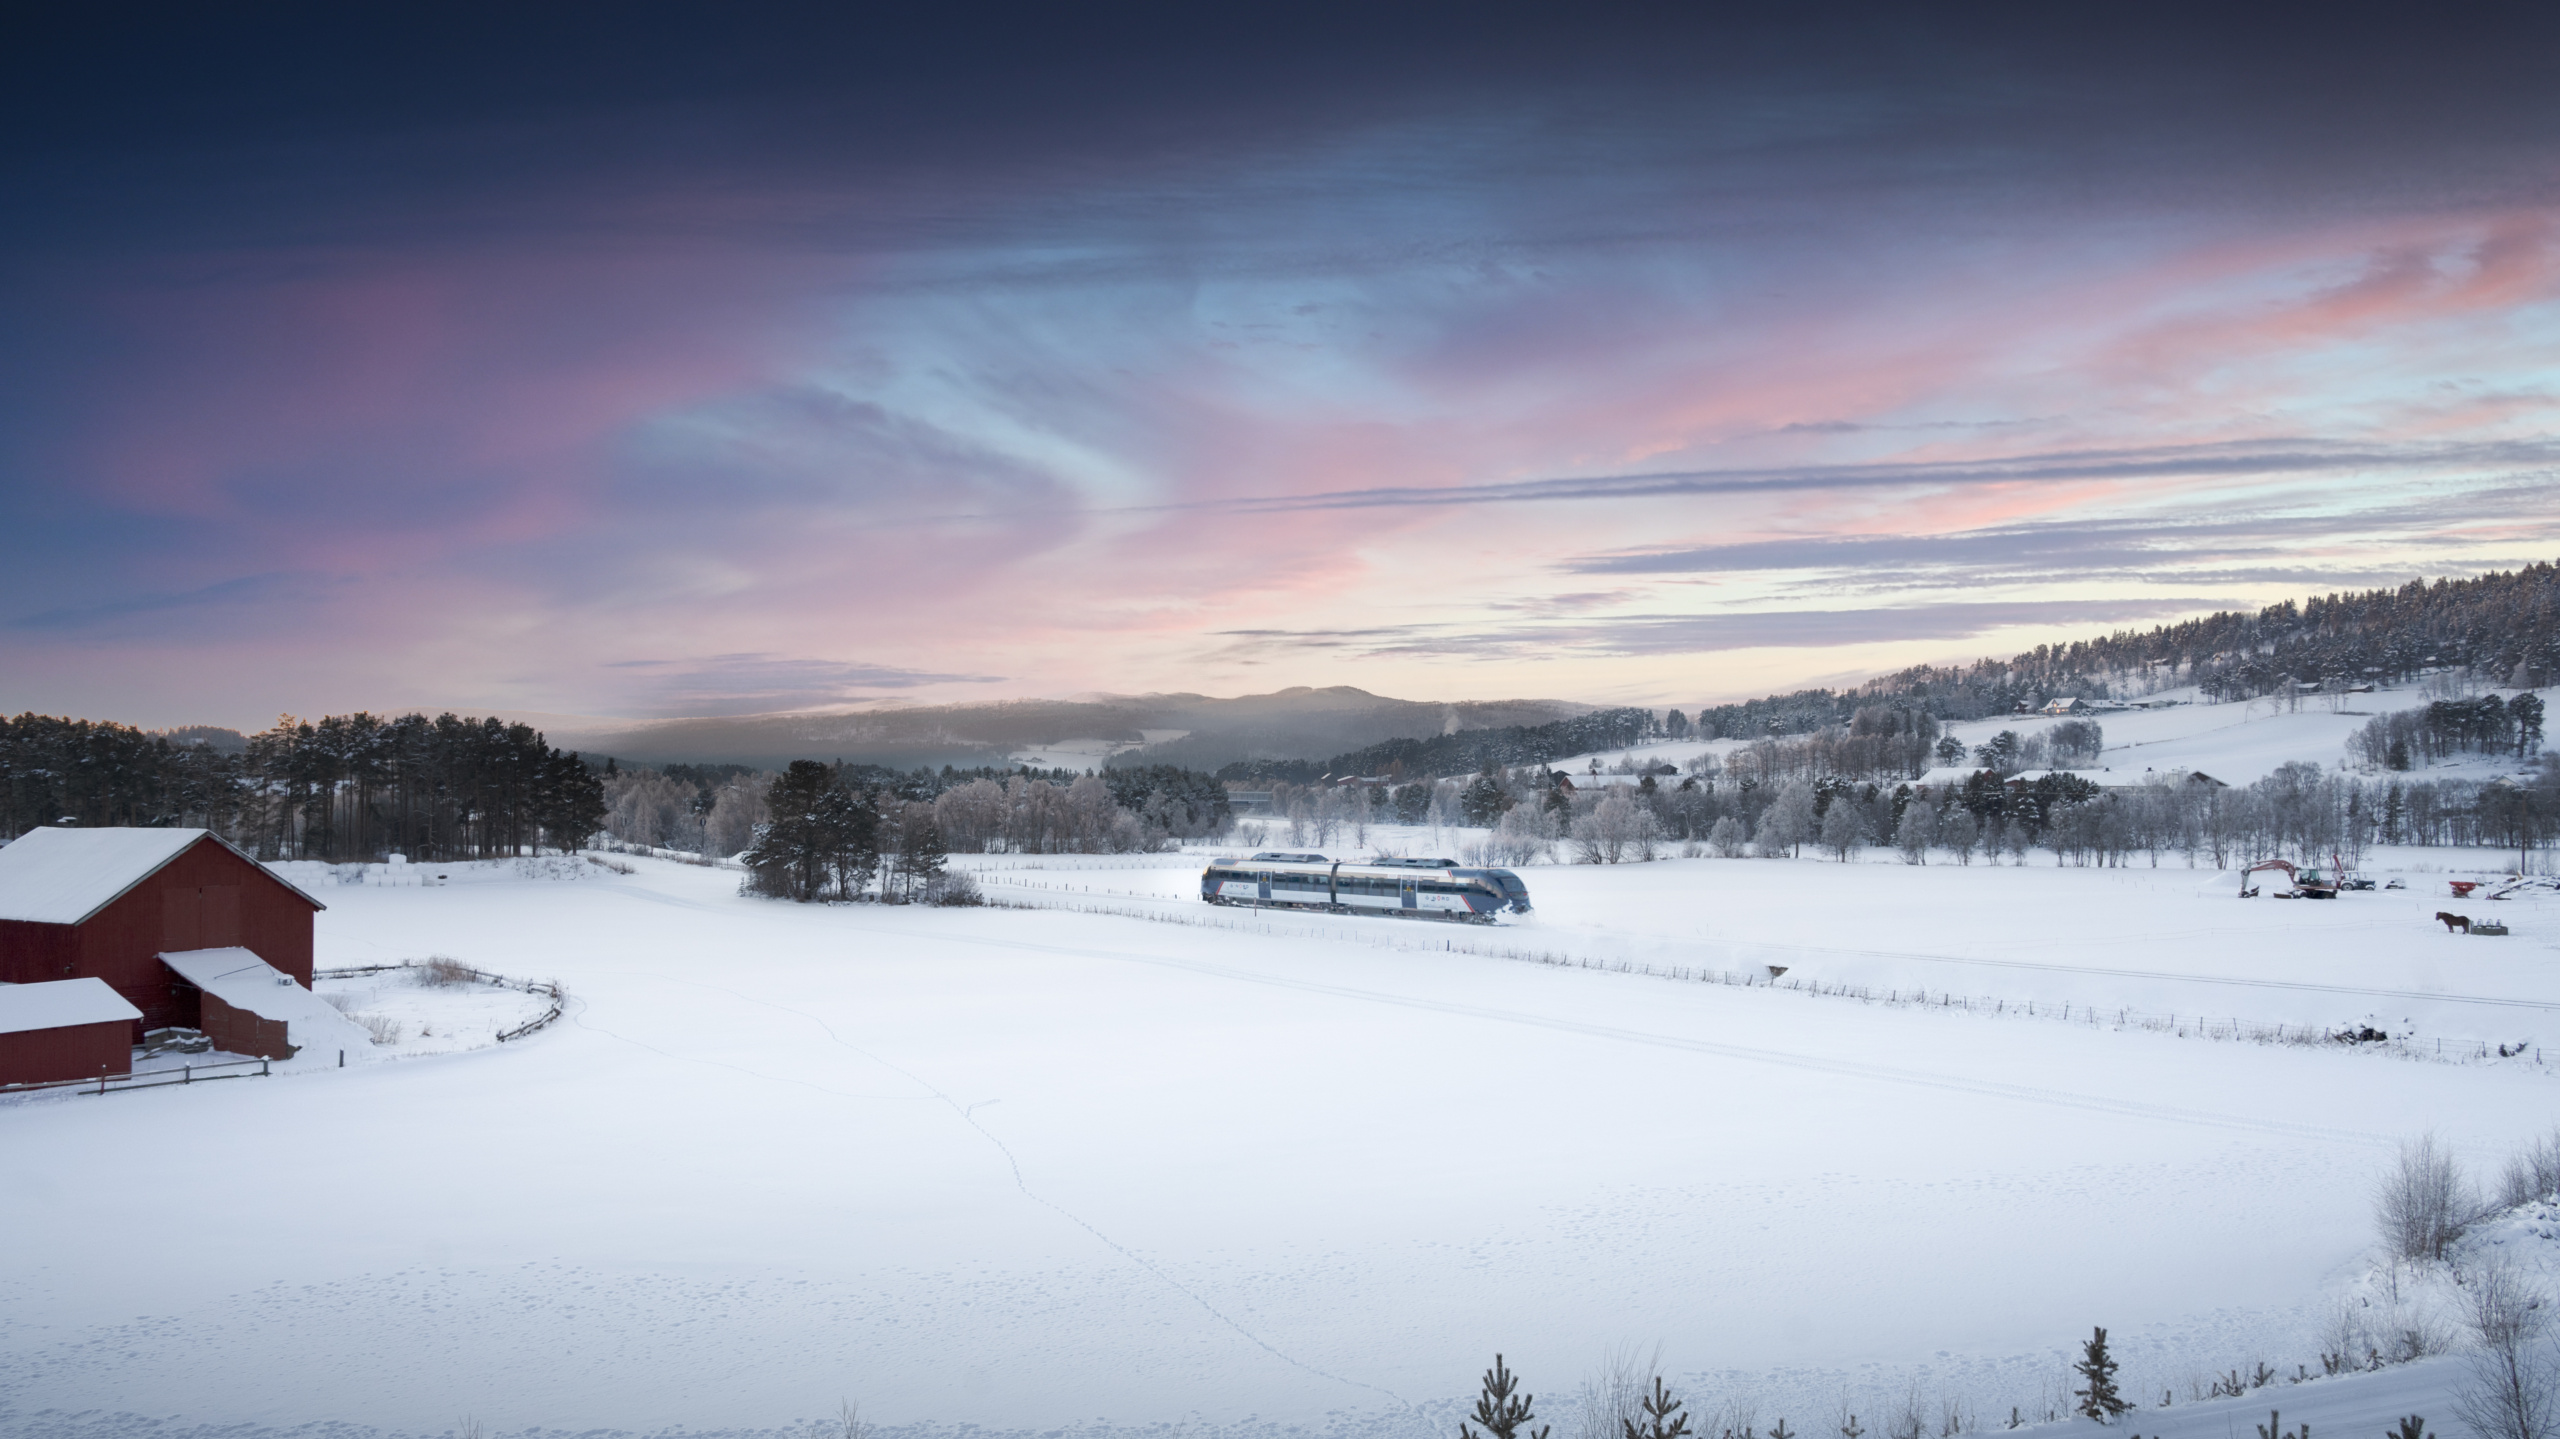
(106, 903)
(64, 1029)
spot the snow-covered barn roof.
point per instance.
(240, 979)
(63, 876)
(54, 1003)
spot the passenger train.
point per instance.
(1423, 888)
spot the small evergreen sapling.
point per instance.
(1500, 1409)
(1663, 1417)
(2100, 1401)
(2413, 1426)
(2273, 1430)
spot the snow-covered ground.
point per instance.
(1041, 1170)
(413, 1011)
(2167, 941)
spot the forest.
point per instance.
(341, 788)
(835, 832)
(2502, 625)
(716, 809)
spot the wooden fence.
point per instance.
(151, 1078)
(550, 991)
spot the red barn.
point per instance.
(64, 1029)
(105, 903)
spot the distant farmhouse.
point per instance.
(108, 933)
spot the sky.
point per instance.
(658, 361)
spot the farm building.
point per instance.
(106, 904)
(64, 1029)
(248, 1006)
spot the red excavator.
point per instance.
(2301, 883)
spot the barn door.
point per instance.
(199, 916)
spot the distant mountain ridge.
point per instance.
(1214, 731)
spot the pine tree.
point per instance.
(922, 855)
(1501, 1411)
(822, 838)
(2099, 1401)
(1484, 801)
(1663, 1416)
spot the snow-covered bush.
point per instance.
(1616, 829)
(1521, 836)
(2512, 1391)
(2531, 1175)
(2424, 1202)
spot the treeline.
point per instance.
(834, 832)
(699, 809)
(717, 809)
(2484, 723)
(341, 788)
(2300, 812)
(2504, 626)
(1464, 752)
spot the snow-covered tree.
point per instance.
(1844, 828)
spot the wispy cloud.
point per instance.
(2226, 460)
(736, 684)
(2074, 546)
(1666, 635)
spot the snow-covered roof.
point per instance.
(54, 1003)
(240, 979)
(1947, 774)
(63, 876)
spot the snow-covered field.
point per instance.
(1041, 1170)
(2169, 941)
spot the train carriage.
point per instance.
(1417, 888)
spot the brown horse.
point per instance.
(2453, 922)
